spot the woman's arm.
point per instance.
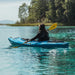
(33, 38)
(37, 36)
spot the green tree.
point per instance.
(23, 12)
(32, 11)
(69, 10)
(59, 4)
(48, 11)
(51, 13)
(37, 10)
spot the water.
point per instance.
(36, 61)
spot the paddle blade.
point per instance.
(53, 26)
(15, 47)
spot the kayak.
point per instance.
(48, 44)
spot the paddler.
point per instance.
(42, 34)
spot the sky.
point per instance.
(9, 9)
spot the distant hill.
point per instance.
(6, 22)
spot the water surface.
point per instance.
(36, 61)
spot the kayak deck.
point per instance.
(47, 44)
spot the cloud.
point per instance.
(14, 0)
(9, 10)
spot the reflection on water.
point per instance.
(36, 61)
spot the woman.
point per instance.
(42, 34)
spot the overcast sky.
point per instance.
(9, 9)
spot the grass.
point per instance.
(33, 24)
(36, 24)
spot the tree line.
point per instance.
(48, 11)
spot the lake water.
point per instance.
(36, 61)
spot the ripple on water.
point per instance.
(37, 61)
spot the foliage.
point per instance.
(48, 11)
(22, 12)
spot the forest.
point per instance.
(48, 11)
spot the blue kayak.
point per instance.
(47, 44)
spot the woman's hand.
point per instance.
(26, 41)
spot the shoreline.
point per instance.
(36, 24)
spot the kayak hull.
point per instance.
(47, 44)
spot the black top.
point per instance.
(41, 36)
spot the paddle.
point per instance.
(53, 26)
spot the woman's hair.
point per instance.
(42, 27)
